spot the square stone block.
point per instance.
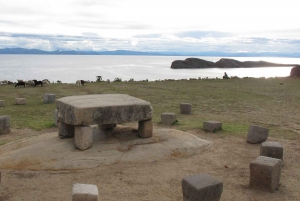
(168, 118)
(212, 126)
(83, 137)
(2, 103)
(85, 192)
(185, 108)
(265, 173)
(201, 187)
(271, 149)
(4, 124)
(49, 98)
(145, 128)
(257, 134)
(20, 101)
(65, 130)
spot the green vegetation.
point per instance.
(237, 103)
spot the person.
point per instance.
(225, 76)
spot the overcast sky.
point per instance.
(152, 25)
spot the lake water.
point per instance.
(69, 68)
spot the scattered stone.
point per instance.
(185, 108)
(265, 173)
(85, 192)
(271, 149)
(212, 126)
(49, 98)
(257, 134)
(83, 137)
(56, 117)
(201, 187)
(2, 103)
(145, 129)
(4, 124)
(168, 118)
(20, 101)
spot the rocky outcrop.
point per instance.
(192, 63)
(222, 63)
(295, 72)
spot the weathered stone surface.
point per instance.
(185, 108)
(56, 117)
(265, 173)
(83, 137)
(272, 149)
(295, 71)
(168, 118)
(49, 98)
(65, 130)
(212, 126)
(257, 134)
(20, 101)
(201, 187)
(2, 103)
(4, 124)
(85, 192)
(102, 109)
(145, 128)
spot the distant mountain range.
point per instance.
(129, 52)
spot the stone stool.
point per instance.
(271, 149)
(212, 126)
(145, 129)
(2, 103)
(20, 101)
(85, 192)
(185, 108)
(265, 173)
(83, 137)
(202, 187)
(49, 98)
(168, 118)
(4, 124)
(257, 134)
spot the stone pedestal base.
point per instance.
(212, 126)
(145, 128)
(185, 108)
(20, 101)
(65, 130)
(85, 192)
(271, 149)
(257, 134)
(49, 98)
(4, 124)
(83, 137)
(168, 118)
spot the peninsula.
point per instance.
(222, 63)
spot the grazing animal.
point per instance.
(20, 84)
(30, 83)
(20, 80)
(38, 83)
(46, 82)
(80, 82)
(4, 82)
(108, 81)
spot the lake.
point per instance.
(69, 68)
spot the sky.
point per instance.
(254, 26)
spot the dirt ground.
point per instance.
(228, 160)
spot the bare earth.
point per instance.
(228, 160)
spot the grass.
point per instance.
(237, 103)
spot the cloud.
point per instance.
(203, 34)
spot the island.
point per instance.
(194, 63)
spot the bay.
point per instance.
(69, 68)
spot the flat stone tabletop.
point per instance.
(102, 109)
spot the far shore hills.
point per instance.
(194, 63)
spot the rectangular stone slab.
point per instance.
(102, 109)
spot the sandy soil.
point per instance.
(160, 180)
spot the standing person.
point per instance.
(225, 76)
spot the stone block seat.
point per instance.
(257, 134)
(168, 118)
(4, 124)
(272, 149)
(101, 109)
(201, 187)
(185, 108)
(85, 192)
(49, 98)
(212, 126)
(20, 101)
(2, 103)
(265, 173)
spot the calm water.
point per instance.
(69, 68)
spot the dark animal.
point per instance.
(20, 84)
(38, 83)
(82, 82)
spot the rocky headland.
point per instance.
(295, 71)
(222, 63)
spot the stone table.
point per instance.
(76, 113)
